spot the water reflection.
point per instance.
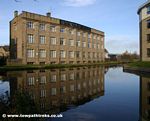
(57, 90)
(145, 98)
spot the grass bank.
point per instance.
(140, 64)
(52, 66)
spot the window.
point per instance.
(84, 34)
(79, 87)
(78, 43)
(84, 55)
(42, 26)
(78, 33)
(94, 36)
(84, 85)
(30, 81)
(30, 38)
(62, 29)
(42, 105)
(62, 54)
(93, 54)
(42, 63)
(89, 45)
(43, 80)
(148, 23)
(43, 93)
(71, 54)
(148, 86)
(30, 53)
(78, 54)
(98, 46)
(72, 88)
(62, 89)
(71, 42)
(84, 44)
(42, 39)
(53, 78)
(148, 52)
(62, 62)
(53, 91)
(30, 25)
(71, 62)
(53, 41)
(148, 37)
(148, 10)
(71, 76)
(89, 35)
(53, 53)
(52, 28)
(63, 77)
(30, 63)
(94, 46)
(62, 41)
(89, 55)
(42, 53)
(77, 75)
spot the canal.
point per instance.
(78, 94)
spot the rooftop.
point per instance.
(57, 20)
(5, 47)
(144, 5)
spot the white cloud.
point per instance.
(79, 3)
(119, 44)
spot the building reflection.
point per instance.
(144, 98)
(57, 90)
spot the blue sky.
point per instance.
(118, 19)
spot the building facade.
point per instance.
(144, 16)
(39, 39)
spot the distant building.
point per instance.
(4, 51)
(39, 39)
(113, 57)
(106, 54)
(144, 16)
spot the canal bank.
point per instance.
(53, 66)
(138, 68)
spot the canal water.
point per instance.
(78, 94)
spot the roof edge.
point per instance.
(142, 6)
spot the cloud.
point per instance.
(79, 3)
(119, 44)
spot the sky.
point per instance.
(118, 18)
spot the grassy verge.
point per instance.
(51, 66)
(140, 64)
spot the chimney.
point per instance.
(48, 14)
(15, 13)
